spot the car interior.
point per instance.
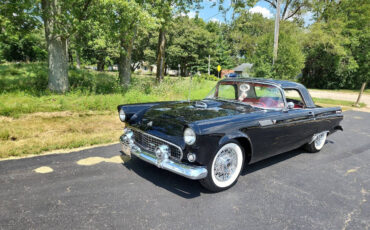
(259, 95)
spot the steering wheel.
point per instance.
(260, 104)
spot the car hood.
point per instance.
(171, 117)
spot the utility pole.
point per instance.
(209, 64)
(276, 36)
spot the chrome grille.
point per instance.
(150, 143)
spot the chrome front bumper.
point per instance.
(189, 171)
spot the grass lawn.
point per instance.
(366, 91)
(33, 120)
(346, 105)
(40, 132)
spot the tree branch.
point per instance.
(271, 3)
(298, 8)
(286, 8)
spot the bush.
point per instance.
(30, 78)
(202, 77)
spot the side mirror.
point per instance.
(290, 105)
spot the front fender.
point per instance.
(244, 140)
(226, 138)
(208, 145)
(135, 109)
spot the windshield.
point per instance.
(254, 94)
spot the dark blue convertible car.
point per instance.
(242, 121)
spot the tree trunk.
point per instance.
(57, 48)
(124, 62)
(161, 54)
(100, 65)
(78, 61)
(183, 70)
(360, 94)
(276, 34)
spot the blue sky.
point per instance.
(212, 13)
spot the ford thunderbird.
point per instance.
(241, 121)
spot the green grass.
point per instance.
(86, 115)
(90, 90)
(336, 102)
(366, 91)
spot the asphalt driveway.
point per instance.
(93, 189)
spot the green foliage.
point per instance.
(246, 31)
(338, 46)
(20, 92)
(290, 58)
(202, 77)
(30, 78)
(21, 37)
(189, 43)
(332, 53)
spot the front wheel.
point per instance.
(224, 168)
(318, 141)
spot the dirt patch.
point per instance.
(365, 98)
(45, 132)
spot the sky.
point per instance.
(209, 13)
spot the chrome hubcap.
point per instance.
(225, 164)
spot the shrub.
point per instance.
(203, 77)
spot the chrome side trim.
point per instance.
(172, 144)
(189, 171)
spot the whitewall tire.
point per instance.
(317, 143)
(225, 167)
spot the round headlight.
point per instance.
(122, 115)
(189, 136)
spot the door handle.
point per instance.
(311, 113)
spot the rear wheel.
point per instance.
(317, 142)
(224, 168)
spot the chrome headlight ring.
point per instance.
(189, 136)
(122, 115)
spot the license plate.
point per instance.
(126, 150)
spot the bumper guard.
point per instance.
(186, 170)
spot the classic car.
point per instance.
(241, 121)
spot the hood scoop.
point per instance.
(200, 104)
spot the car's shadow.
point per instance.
(187, 188)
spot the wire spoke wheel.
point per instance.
(226, 165)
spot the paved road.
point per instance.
(92, 189)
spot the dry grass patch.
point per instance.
(41, 132)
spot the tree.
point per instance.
(328, 64)
(289, 8)
(219, 48)
(245, 33)
(189, 44)
(290, 59)
(121, 20)
(338, 45)
(164, 11)
(60, 19)
(21, 34)
(96, 46)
